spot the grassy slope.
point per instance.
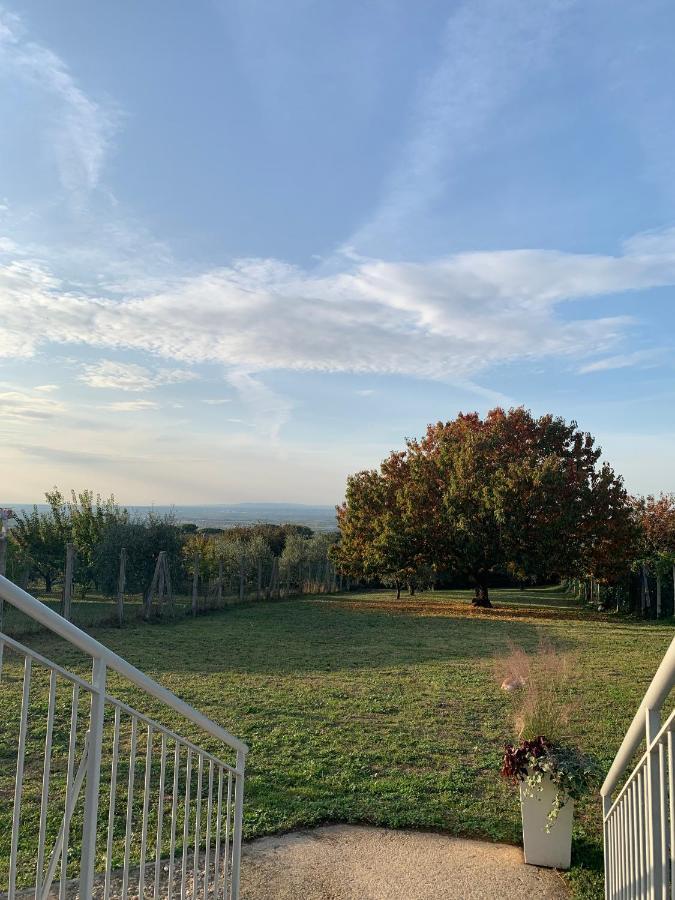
(362, 709)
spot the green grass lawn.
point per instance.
(359, 708)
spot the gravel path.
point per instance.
(349, 862)
(346, 862)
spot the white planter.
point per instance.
(546, 848)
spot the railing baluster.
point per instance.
(625, 847)
(609, 859)
(228, 835)
(144, 820)
(640, 834)
(174, 819)
(160, 816)
(671, 793)
(209, 812)
(130, 809)
(630, 842)
(617, 855)
(621, 845)
(91, 796)
(111, 805)
(46, 772)
(219, 823)
(663, 884)
(646, 873)
(186, 824)
(198, 823)
(238, 820)
(18, 783)
(70, 800)
(636, 836)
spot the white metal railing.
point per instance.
(639, 823)
(167, 820)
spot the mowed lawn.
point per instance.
(360, 708)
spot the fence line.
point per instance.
(245, 579)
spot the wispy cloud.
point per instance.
(46, 388)
(489, 50)
(26, 407)
(132, 405)
(267, 410)
(130, 377)
(80, 128)
(643, 358)
(216, 401)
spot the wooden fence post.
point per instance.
(658, 594)
(161, 585)
(195, 583)
(167, 583)
(68, 581)
(646, 600)
(147, 610)
(121, 585)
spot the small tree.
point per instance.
(39, 538)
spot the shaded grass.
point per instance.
(359, 708)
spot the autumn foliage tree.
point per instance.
(656, 519)
(509, 493)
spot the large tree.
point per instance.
(509, 493)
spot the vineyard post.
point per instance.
(195, 582)
(68, 581)
(121, 585)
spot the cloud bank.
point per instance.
(448, 318)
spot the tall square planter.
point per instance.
(546, 848)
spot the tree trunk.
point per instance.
(411, 588)
(48, 582)
(481, 597)
(398, 590)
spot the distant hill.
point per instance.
(319, 518)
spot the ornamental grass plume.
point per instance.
(541, 688)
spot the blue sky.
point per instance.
(246, 248)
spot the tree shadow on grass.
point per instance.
(304, 637)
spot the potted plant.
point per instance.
(551, 778)
(549, 770)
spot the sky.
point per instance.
(248, 248)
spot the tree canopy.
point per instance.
(509, 493)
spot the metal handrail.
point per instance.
(222, 871)
(657, 692)
(41, 613)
